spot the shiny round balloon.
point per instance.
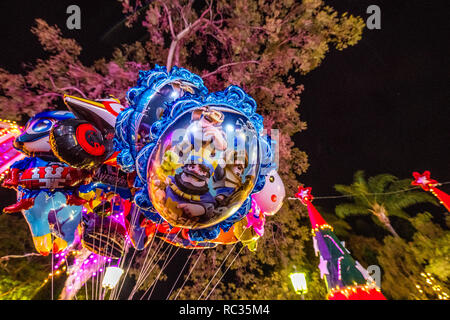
(148, 102)
(79, 144)
(270, 198)
(204, 166)
(154, 103)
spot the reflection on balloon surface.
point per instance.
(203, 167)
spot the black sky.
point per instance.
(381, 106)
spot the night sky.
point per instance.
(381, 106)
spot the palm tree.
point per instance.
(380, 196)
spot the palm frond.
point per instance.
(360, 183)
(398, 213)
(404, 184)
(347, 209)
(379, 183)
(344, 189)
(407, 199)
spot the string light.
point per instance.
(353, 290)
(437, 289)
(321, 227)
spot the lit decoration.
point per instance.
(112, 277)
(423, 180)
(85, 266)
(345, 278)
(9, 130)
(298, 280)
(430, 283)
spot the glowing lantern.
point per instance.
(112, 277)
(299, 282)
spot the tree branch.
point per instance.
(183, 33)
(227, 66)
(169, 17)
(6, 258)
(66, 88)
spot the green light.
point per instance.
(299, 282)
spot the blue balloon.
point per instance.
(51, 217)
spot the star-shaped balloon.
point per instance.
(304, 194)
(423, 180)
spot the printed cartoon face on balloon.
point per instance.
(203, 167)
(270, 198)
(34, 141)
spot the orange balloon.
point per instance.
(225, 237)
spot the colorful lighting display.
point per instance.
(9, 130)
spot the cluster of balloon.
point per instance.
(200, 159)
(190, 167)
(46, 188)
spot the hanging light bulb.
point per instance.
(112, 277)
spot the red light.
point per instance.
(273, 198)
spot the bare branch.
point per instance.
(229, 65)
(6, 258)
(169, 17)
(66, 88)
(191, 27)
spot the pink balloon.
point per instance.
(270, 198)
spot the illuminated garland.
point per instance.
(431, 283)
(8, 131)
(355, 292)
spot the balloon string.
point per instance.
(223, 262)
(223, 274)
(148, 265)
(179, 274)
(53, 253)
(123, 258)
(145, 261)
(145, 267)
(153, 264)
(366, 194)
(102, 263)
(165, 264)
(192, 269)
(133, 220)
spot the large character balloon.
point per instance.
(203, 163)
(212, 156)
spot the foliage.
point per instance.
(380, 196)
(405, 264)
(20, 278)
